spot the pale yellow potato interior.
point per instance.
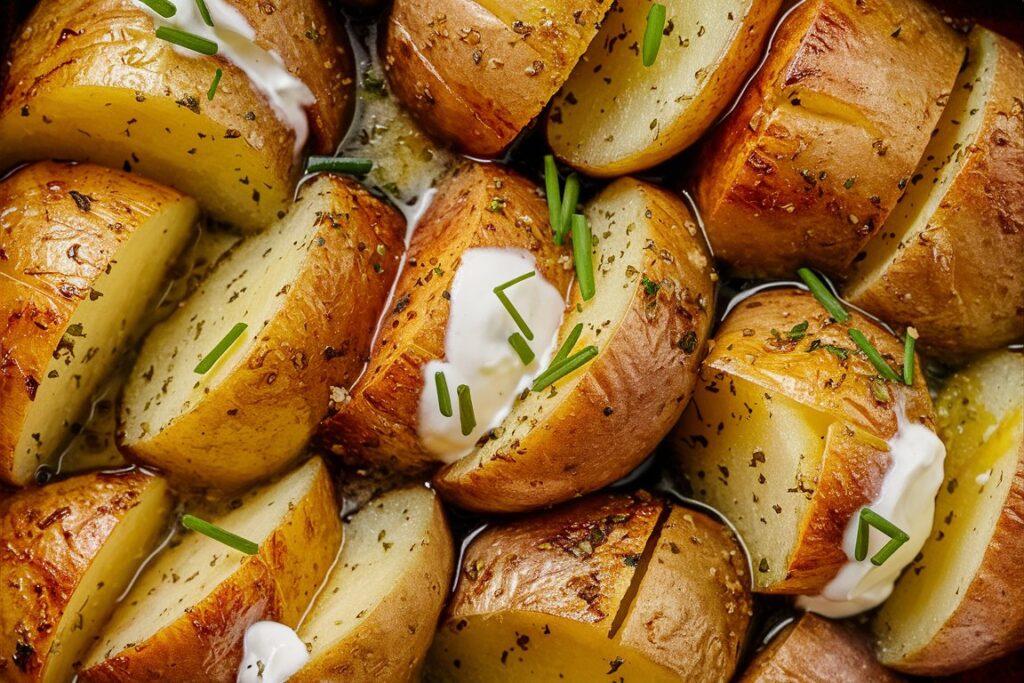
(100, 332)
(981, 420)
(186, 573)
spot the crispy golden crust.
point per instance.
(60, 227)
(476, 72)
(379, 423)
(818, 650)
(49, 537)
(821, 115)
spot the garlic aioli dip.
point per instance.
(477, 350)
(907, 499)
(235, 38)
(273, 653)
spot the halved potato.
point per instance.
(311, 291)
(827, 135)
(89, 80)
(83, 252)
(615, 587)
(818, 650)
(67, 552)
(476, 72)
(958, 605)
(616, 116)
(186, 615)
(787, 433)
(948, 259)
(649, 320)
(376, 614)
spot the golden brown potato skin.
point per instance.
(476, 72)
(818, 650)
(48, 539)
(61, 225)
(379, 423)
(849, 95)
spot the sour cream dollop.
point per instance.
(907, 499)
(477, 349)
(235, 38)
(273, 653)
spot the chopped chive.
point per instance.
(581, 246)
(897, 536)
(466, 415)
(569, 199)
(908, 356)
(551, 185)
(240, 544)
(874, 356)
(338, 165)
(515, 281)
(824, 295)
(444, 397)
(204, 11)
(223, 345)
(522, 348)
(189, 41)
(499, 291)
(216, 82)
(559, 370)
(567, 346)
(162, 7)
(653, 33)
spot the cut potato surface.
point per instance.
(616, 116)
(89, 80)
(614, 588)
(948, 260)
(649, 319)
(827, 135)
(185, 617)
(375, 616)
(310, 291)
(958, 605)
(68, 551)
(84, 251)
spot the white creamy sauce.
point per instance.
(907, 499)
(477, 350)
(983, 478)
(288, 96)
(273, 653)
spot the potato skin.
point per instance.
(820, 113)
(49, 537)
(60, 227)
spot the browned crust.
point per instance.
(772, 178)
(48, 540)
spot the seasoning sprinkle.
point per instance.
(523, 349)
(554, 193)
(466, 415)
(569, 199)
(559, 370)
(235, 541)
(824, 295)
(873, 355)
(499, 291)
(652, 34)
(582, 243)
(204, 11)
(162, 7)
(908, 356)
(444, 397)
(216, 82)
(566, 348)
(223, 345)
(338, 165)
(189, 41)
(898, 537)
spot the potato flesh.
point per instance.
(100, 332)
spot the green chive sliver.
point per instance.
(569, 199)
(908, 356)
(824, 295)
(554, 193)
(444, 397)
(339, 165)
(223, 345)
(521, 348)
(204, 11)
(870, 518)
(229, 539)
(567, 346)
(162, 7)
(582, 244)
(466, 414)
(884, 369)
(189, 41)
(559, 370)
(653, 33)
(499, 291)
(213, 86)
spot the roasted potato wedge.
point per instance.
(615, 116)
(83, 252)
(958, 605)
(828, 134)
(476, 72)
(788, 433)
(89, 80)
(938, 262)
(375, 616)
(68, 551)
(310, 290)
(186, 615)
(650, 319)
(615, 587)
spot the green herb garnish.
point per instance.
(521, 348)
(223, 345)
(499, 291)
(908, 356)
(240, 544)
(554, 194)
(581, 247)
(563, 367)
(466, 415)
(444, 397)
(189, 41)
(162, 7)
(873, 355)
(650, 286)
(566, 348)
(569, 199)
(652, 34)
(898, 537)
(824, 295)
(338, 165)
(837, 351)
(216, 82)
(798, 331)
(204, 12)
